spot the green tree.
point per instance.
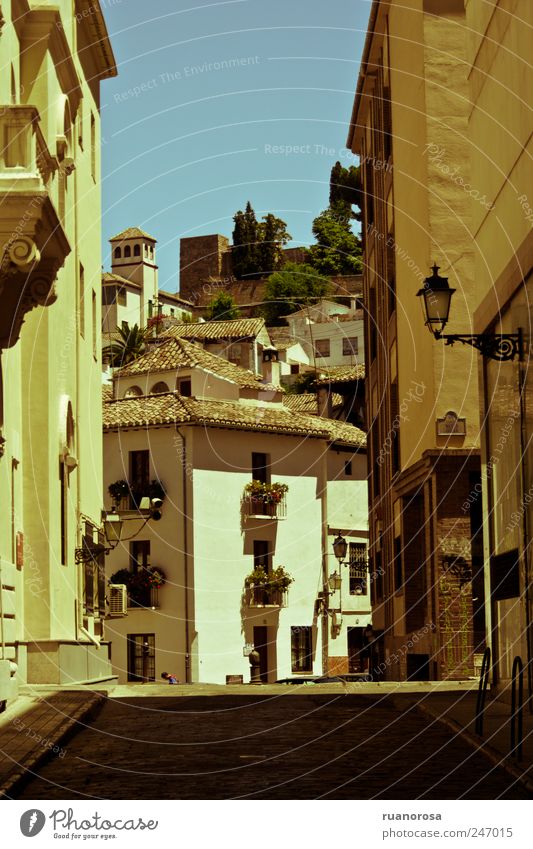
(245, 243)
(222, 308)
(272, 236)
(345, 187)
(338, 249)
(127, 347)
(294, 286)
(257, 245)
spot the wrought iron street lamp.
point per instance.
(112, 532)
(340, 547)
(437, 297)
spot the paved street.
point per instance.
(300, 746)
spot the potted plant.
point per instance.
(118, 491)
(265, 496)
(267, 587)
(156, 490)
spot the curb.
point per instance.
(477, 743)
(64, 731)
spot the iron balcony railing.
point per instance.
(264, 506)
(264, 596)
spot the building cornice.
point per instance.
(90, 12)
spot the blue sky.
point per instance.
(217, 103)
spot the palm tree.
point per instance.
(127, 347)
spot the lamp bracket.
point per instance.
(495, 346)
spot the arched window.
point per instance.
(118, 253)
(160, 387)
(13, 86)
(133, 392)
(152, 251)
(137, 250)
(127, 251)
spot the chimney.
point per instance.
(271, 366)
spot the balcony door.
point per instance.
(141, 657)
(139, 475)
(261, 646)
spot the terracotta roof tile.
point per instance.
(171, 408)
(240, 328)
(174, 353)
(340, 374)
(307, 403)
(132, 233)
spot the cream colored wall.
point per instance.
(500, 131)
(56, 360)
(166, 547)
(347, 495)
(223, 547)
(432, 217)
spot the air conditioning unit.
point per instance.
(118, 600)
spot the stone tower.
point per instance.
(133, 257)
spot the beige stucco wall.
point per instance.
(56, 362)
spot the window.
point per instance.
(122, 297)
(260, 467)
(395, 432)
(118, 253)
(350, 347)
(185, 387)
(295, 368)
(137, 250)
(95, 326)
(63, 506)
(151, 251)
(133, 392)
(358, 566)
(322, 348)
(398, 570)
(80, 124)
(139, 474)
(159, 388)
(141, 657)
(262, 555)
(93, 147)
(301, 648)
(81, 289)
(127, 251)
(139, 555)
(348, 468)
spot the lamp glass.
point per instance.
(334, 581)
(437, 297)
(340, 547)
(113, 528)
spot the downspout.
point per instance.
(525, 523)
(185, 558)
(325, 586)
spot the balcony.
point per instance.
(262, 596)
(33, 244)
(264, 501)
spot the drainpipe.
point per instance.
(89, 636)
(525, 528)
(185, 557)
(325, 586)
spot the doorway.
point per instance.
(261, 646)
(141, 657)
(357, 651)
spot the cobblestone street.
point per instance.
(268, 747)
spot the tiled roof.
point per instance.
(239, 328)
(180, 353)
(132, 233)
(107, 277)
(171, 408)
(173, 296)
(107, 392)
(340, 374)
(307, 403)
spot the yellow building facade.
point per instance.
(500, 135)
(410, 128)
(53, 59)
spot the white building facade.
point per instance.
(206, 443)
